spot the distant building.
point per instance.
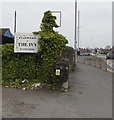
(6, 36)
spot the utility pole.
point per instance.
(75, 47)
(15, 23)
(78, 28)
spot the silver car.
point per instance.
(110, 55)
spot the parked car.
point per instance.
(85, 54)
(92, 54)
(110, 55)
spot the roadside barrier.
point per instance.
(95, 61)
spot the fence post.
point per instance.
(84, 59)
(106, 65)
(95, 61)
(100, 63)
(89, 59)
(18, 66)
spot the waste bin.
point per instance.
(61, 71)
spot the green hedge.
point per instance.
(37, 67)
(18, 66)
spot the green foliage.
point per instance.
(18, 66)
(51, 45)
(37, 67)
(48, 22)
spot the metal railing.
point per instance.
(94, 61)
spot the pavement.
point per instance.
(89, 96)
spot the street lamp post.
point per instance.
(75, 42)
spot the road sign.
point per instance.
(58, 17)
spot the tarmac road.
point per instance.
(89, 96)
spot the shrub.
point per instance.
(18, 66)
(37, 67)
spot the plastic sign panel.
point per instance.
(57, 72)
(25, 43)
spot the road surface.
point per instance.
(89, 96)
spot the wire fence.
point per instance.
(94, 61)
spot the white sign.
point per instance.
(57, 72)
(25, 43)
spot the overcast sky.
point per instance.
(95, 19)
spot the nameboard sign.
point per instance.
(25, 43)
